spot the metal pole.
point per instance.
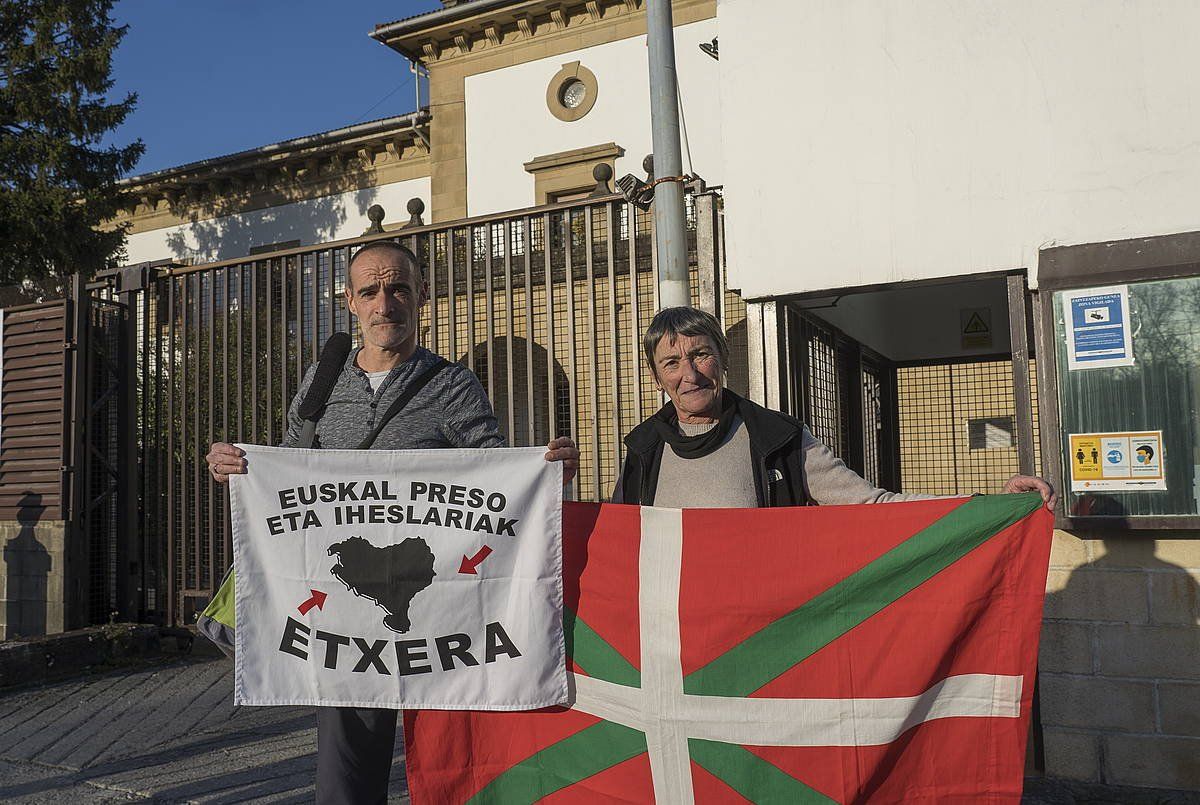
(669, 233)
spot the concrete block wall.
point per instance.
(31, 578)
(1120, 661)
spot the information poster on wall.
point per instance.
(1117, 462)
(1098, 335)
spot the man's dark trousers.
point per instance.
(354, 754)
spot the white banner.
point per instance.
(401, 579)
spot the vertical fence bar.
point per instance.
(489, 318)
(269, 368)
(141, 377)
(187, 482)
(470, 268)
(75, 372)
(314, 313)
(615, 333)
(241, 386)
(653, 259)
(298, 271)
(169, 468)
(569, 272)
(594, 356)
(197, 510)
(211, 493)
(552, 398)
(508, 334)
(531, 424)
(635, 323)
(451, 296)
(285, 356)
(332, 286)
(254, 353)
(185, 437)
(226, 529)
(431, 275)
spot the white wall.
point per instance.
(867, 141)
(508, 123)
(312, 221)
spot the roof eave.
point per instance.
(306, 142)
(389, 33)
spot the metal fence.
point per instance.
(545, 305)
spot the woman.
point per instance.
(709, 447)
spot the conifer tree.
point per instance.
(57, 178)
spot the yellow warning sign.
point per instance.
(1085, 457)
(975, 327)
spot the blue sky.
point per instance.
(219, 76)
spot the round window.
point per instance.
(573, 94)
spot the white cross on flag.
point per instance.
(402, 578)
(881, 653)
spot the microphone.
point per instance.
(329, 367)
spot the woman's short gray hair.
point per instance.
(676, 321)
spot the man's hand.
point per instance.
(224, 460)
(563, 449)
(1030, 483)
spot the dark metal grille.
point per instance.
(101, 469)
(873, 421)
(822, 399)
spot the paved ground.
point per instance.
(167, 733)
(170, 733)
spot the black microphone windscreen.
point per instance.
(333, 359)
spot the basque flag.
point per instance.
(880, 653)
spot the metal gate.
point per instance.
(546, 305)
(101, 582)
(846, 393)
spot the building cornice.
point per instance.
(305, 167)
(486, 25)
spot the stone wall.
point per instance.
(1120, 661)
(31, 578)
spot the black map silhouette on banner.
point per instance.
(390, 576)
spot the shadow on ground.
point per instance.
(169, 733)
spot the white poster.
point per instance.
(1117, 462)
(400, 579)
(1098, 329)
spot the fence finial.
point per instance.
(415, 208)
(375, 216)
(648, 167)
(602, 173)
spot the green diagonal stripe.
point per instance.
(587, 752)
(751, 776)
(791, 639)
(593, 654)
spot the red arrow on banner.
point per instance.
(316, 600)
(469, 565)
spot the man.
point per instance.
(711, 448)
(385, 291)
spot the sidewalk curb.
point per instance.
(32, 661)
